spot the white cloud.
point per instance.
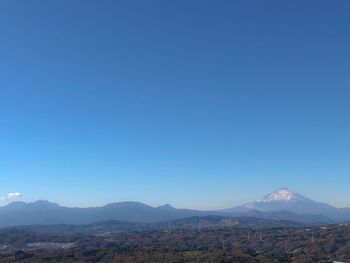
(10, 197)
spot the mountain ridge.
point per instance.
(282, 204)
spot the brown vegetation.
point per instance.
(225, 245)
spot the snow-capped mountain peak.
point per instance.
(282, 194)
(284, 199)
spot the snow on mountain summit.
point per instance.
(282, 194)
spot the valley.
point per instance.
(214, 241)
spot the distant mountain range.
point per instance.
(44, 212)
(283, 204)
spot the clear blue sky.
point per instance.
(201, 104)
